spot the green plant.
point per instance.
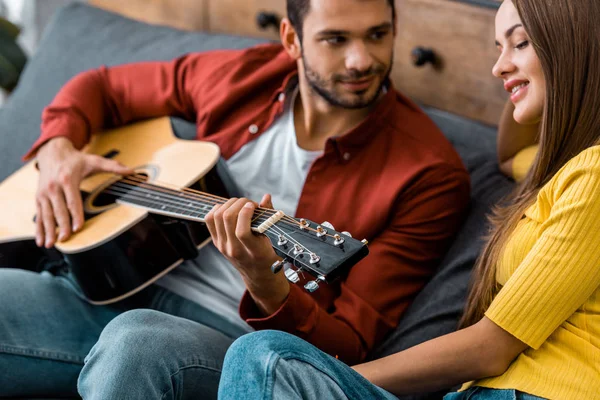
(12, 57)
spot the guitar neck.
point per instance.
(185, 204)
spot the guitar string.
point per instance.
(152, 197)
(202, 195)
(180, 194)
(177, 199)
(140, 197)
(163, 185)
(278, 231)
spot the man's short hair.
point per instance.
(297, 10)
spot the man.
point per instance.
(317, 124)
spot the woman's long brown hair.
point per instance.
(565, 35)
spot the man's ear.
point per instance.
(290, 39)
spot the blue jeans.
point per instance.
(154, 345)
(275, 365)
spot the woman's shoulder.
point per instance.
(583, 170)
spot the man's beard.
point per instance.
(322, 86)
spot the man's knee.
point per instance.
(155, 348)
(147, 336)
(133, 337)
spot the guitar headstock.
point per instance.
(319, 250)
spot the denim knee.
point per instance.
(265, 342)
(150, 347)
(130, 337)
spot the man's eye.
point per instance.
(335, 40)
(378, 35)
(522, 45)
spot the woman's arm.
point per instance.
(479, 351)
(512, 138)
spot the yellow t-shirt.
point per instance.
(522, 161)
(550, 296)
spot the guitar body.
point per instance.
(121, 249)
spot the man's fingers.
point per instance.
(39, 225)
(266, 201)
(48, 221)
(101, 164)
(61, 215)
(230, 217)
(74, 205)
(209, 219)
(243, 229)
(219, 220)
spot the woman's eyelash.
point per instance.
(522, 45)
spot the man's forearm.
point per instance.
(269, 293)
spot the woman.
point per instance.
(531, 328)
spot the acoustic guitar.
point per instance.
(139, 227)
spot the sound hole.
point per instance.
(116, 190)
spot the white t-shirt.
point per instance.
(273, 163)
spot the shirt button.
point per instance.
(281, 97)
(253, 129)
(346, 156)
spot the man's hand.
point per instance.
(58, 200)
(251, 254)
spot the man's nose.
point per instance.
(358, 57)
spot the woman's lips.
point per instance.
(519, 94)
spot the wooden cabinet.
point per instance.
(458, 34)
(461, 37)
(241, 17)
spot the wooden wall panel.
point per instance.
(239, 16)
(182, 14)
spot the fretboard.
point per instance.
(170, 202)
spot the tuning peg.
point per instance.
(304, 224)
(291, 275)
(327, 225)
(277, 266)
(339, 240)
(314, 259)
(282, 241)
(298, 249)
(346, 233)
(312, 286)
(320, 231)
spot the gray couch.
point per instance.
(81, 37)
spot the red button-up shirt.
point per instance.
(394, 179)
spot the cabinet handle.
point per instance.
(421, 56)
(264, 20)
